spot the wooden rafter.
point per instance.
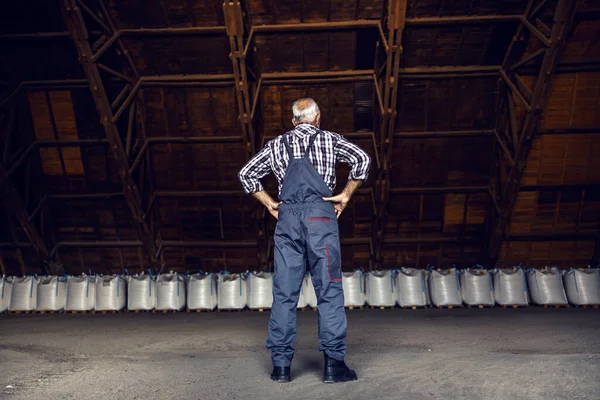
(234, 23)
(563, 18)
(15, 202)
(396, 19)
(79, 34)
(16, 206)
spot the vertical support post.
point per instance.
(15, 204)
(234, 24)
(396, 18)
(78, 33)
(563, 19)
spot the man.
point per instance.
(303, 160)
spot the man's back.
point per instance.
(328, 149)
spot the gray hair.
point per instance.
(305, 110)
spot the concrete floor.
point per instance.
(424, 354)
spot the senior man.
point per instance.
(303, 160)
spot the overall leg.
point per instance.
(324, 257)
(287, 281)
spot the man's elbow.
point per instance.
(367, 162)
(366, 165)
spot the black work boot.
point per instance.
(281, 374)
(337, 371)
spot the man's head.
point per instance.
(306, 111)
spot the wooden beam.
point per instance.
(504, 149)
(551, 236)
(7, 99)
(209, 244)
(105, 46)
(234, 23)
(146, 80)
(582, 15)
(84, 196)
(191, 31)
(439, 189)
(199, 193)
(514, 89)
(34, 35)
(445, 134)
(15, 204)
(462, 20)
(316, 26)
(15, 245)
(396, 19)
(132, 95)
(563, 19)
(432, 240)
(547, 42)
(140, 156)
(78, 32)
(196, 139)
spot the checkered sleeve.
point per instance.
(359, 160)
(257, 168)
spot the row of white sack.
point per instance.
(410, 287)
(406, 287)
(139, 292)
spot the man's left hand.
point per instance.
(339, 203)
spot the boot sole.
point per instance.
(281, 379)
(340, 379)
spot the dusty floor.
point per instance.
(441, 354)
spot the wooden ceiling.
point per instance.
(482, 122)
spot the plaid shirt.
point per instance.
(327, 149)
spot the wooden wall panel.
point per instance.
(574, 101)
(310, 51)
(450, 162)
(563, 254)
(60, 114)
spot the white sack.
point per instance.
(308, 297)
(354, 288)
(111, 293)
(141, 292)
(81, 293)
(412, 288)
(24, 294)
(445, 288)
(510, 287)
(170, 292)
(380, 288)
(202, 292)
(51, 293)
(583, 286)
(5, 292)
(546, 286)
(232, 291)
(476, 287)
(260, 290)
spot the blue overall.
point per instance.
(306, 234)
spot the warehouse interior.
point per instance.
(123, 125)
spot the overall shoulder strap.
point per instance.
(312, 140)
(287, 146)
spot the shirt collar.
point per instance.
(304, 128)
